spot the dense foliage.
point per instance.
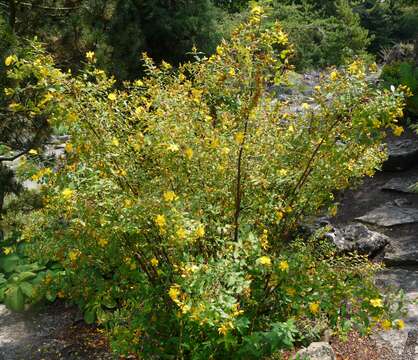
(403, 73)
(324, 32)
(173, 218)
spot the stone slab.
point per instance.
(403, 153)
(406, 185)
(390, 214)
(402, 251)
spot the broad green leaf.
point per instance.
(14, 298)
(23, 276)
(90, 316)
(9, 262)
(27, 289)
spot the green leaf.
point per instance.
(27, 289)
(90, 316)
(51, 296)
(14, 298)
(109, 302)
(23, 276)
(9, 262)
(35, 267)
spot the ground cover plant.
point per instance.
(175, 214)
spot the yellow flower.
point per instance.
(219, 50)
(173, 147)
(314, 307)
(154, 262)
(185, 308)
(224, 328)
(33, 152)
(7, 250)
(165, 65)
(15, 106)
(182, 77)
(398, 130)
(282, 172)
(90, 55)
(264, 260)
(8, 91)
(160, 220)
(376, 302)
(256, 10)
(283, 265)
(103, 242)
(239, 137)
(279, 215)
(115, 142)
(189, 153)
(305, 106)
(170, 196)
(47, 171)
(73, 255)
(333, 211)
(181, 233)
(138, 83)
(400, 324)
(290, 291)
(10, 60)
(111, 96)
(333, 76)
(200, 231)
(386, 324)
(231, 72)
(69, 147)
(174, 292)
(67, 193)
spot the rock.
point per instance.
(405, 185)
(401, 278)
(396, 339)
(357, 237)
(402, 251)
(403, 153)
(392, 213)
(403, 342)
(316, 351)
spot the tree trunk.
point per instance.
(12, 14)
(416, 49)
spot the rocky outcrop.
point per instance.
(402, 250)
(406, 185)
(316, 351)
(397, 212)
(357, 237)
(403, 153)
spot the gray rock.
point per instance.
(403, 153)
(316, 351)
(396, 339)
(392, 213)
(403, 342)
(402, 251)
(357, 237)
(405, 185)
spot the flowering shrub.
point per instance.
(175, 211)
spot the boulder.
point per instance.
(405, 185)
(403, 153)
(397, 212)
(357, 237)
(316, 351)
(402, 251)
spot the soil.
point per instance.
(50, 332)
